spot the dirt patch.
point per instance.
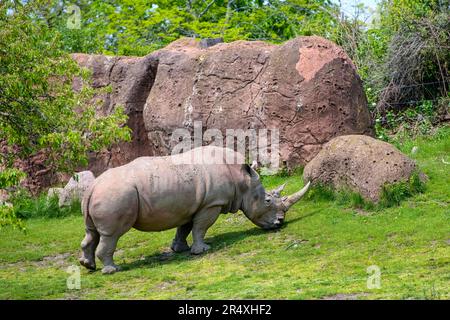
(345, 296)
(58, 260)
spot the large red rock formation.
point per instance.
(130, 80)
(307, 88)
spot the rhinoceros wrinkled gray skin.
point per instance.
(160, 193)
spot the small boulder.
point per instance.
(359, 163)
(209, 42)
(3, 196)
(52, 192)
(75, 188)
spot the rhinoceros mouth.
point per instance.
(273, 226)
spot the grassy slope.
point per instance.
(324, 250)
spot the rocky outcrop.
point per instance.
(130, 80)
(307, 88)
(74, 189)
(38, 174)
(359, 163)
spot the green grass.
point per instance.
(27, 207)
(324, 250)
(391, 194)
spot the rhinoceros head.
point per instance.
(267, 209)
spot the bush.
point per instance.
(392, 194)
(39, 110)
(27, 207)
(343, 197)
(8, 218)
(416, 64)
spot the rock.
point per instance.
(54, 192)
(38, 173)
(307, 88)
(3, 196)
(360, 163)
(75, 188)
(130, 79)
(209, 42)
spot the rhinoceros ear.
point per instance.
(253, 174)
(254, 165)
(277, 192)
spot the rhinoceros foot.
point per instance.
(87, 263)
(199, 248)
(178, 246)
(110, 269)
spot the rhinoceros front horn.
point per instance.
(293, 198)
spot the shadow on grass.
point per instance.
(218, 242)
(302, 217)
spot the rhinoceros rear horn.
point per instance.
(293, 198)
(277, 192)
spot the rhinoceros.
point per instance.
(160, 193)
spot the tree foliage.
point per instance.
(138, 27)
(402, 57)
(417, 57)
(38, 107)
(39, 110)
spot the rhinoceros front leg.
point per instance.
(180, 244)
(201, 223)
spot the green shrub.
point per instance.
(27, 207)
(343, 197)
(393, 194)
(353, 200)
(321, 192)
(8, 218)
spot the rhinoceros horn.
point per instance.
(293, 198)
(277, 192)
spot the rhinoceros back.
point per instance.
(171, 191)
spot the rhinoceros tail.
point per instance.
(85, 209)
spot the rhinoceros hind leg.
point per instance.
(202, 221)
(105, 252)
(179, 244)
(88, 246)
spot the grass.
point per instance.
(324, 250)
(27, 207)
(391, 194)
